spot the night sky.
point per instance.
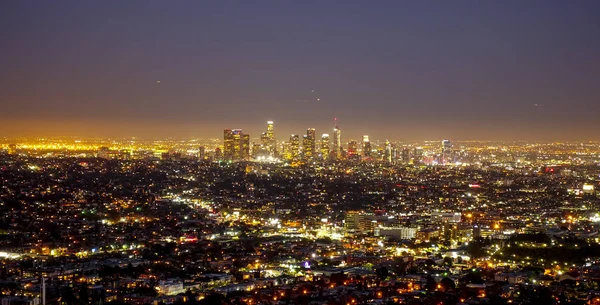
(488, 70)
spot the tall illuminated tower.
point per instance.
(325, 146)
(228, 144)
(236, 145)
(286, 151)
(270, 130)
(244, 147)
(295, 146)
(309, 144)
(366, 147)
(264, 140)
(237, 135)
(446, 151)
(270, 138)
(337, 141)
(352, 153)
(387, 156)
(405, 155)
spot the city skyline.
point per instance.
(299, 152)
(399, 71)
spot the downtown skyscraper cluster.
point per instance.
(305, 147)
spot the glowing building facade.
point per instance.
(325, 146)
(366, 147)
(309, 143)
(271, 142)
(337, 142)
(236, 145)
(294, 147)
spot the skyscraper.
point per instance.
(272, 143)
(264, 140)
(366, 147)
(337, 142)
(201, 153)
(405, 155)
(236, 145)
(286, 151)
(270, 130)
(309, 144)
(295, 146)
(228, 144)
(387, 156)
(325, 146)
(446, 151)
(245, 147)
(418, 154)
(353, 150)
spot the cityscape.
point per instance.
(261, 221)
(309, 153)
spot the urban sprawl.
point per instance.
(307, 220)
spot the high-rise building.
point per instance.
(270, 130)
(245, 147)
(272, 143)
(387, 155)
(236, 145)
(352, 153)
(418, 154)
(405, 155)
(309, 144)
(366, 147)
(257, 150)
(236, 152)
(264, 140)
(325, 146)
(337, 142)
(295, 146)
(218, 154)
(228, 144)
(286, 151)
(446, 151)
(201, 153)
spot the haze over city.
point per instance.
(299, 152)
(398, 70)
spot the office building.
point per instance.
(201, 153)
(366, 147)
(271, 142)
(405, 155)
(236, 145)
(325, 146)
(447, 155)
(309, 144)
(352, 152)
(295, 147)
(387, 152)
(337, 143)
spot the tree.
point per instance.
(213, 299)
(382, 272)
(447, 284)
(430, 284)
(84, 295)
(191, 297)
(68, 295)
